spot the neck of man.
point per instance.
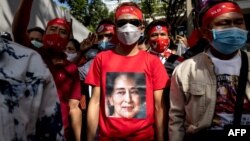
(127, 50)
(221, 56)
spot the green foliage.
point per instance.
(89, 15)
(97, 12)
(77, 9)
(153, 8)
(148, 7)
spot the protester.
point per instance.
(36, 35)
(72, 49)
(30, 108)
(158, 39)
(126, 57)
(65, 73)
(157, 33)
(104, 39)
(210, 92)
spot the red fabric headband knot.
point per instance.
(217, 10)
(60, 21)
(128, 10)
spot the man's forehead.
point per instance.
(159, 31)
(229, 16)
(127, 16)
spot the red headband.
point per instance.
(60, 21)
(157, 28)
(128, 10)
(105, 28)
(217, 10)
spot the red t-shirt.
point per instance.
(67, 81)
(144, 74)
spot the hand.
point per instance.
(88, 42)
(182, 39)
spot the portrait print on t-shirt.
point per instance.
(125, 95)
(225, 102)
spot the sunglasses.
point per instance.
(134, 22)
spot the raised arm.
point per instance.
(21, 22)
(93, 113)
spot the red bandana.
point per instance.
(106, 27)
(128, 10)
(60, 21)
(218, 10)
(157, 28)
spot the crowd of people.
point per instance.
(127, 81)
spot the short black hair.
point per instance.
(38, 29)
(209, 5)
(75, 43)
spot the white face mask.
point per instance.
(128, 34)
(70, 56)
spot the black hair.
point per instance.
(112, 76)
(38, 29)
(75, 43)
(209, 5)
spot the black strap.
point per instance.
(241, 91)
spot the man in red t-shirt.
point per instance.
(127, 86)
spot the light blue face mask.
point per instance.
(105, 45)
(37, 43)
(229, 40)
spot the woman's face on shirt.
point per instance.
(125, 97)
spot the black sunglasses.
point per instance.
(134, 22)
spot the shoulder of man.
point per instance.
(191, 62)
